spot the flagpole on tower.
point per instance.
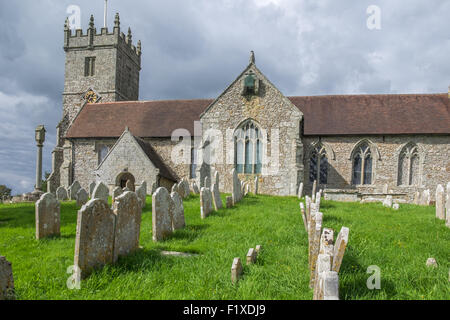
(105, 14)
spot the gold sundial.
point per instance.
(91, 96)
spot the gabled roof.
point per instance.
(323, 115)
(151, 154)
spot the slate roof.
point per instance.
(323, 115)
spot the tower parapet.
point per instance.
(104, 39)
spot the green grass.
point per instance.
(399, 242)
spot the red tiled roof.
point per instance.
(323, 115)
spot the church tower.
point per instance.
(99, 67)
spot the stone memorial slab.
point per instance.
(82, 197)
(91, 189)
(440, 202)
(300, 191)
(94, 241)
(6, 280)
(251, 256)
(339, 248)
(127, 209)
(256, 185)
(61, 194)
(178, 221)
(236, 270)
(313, 193)
(205, 202)
(73, 190)
(305, 220)
(195, 188)
(47, 216)
(216, 193)
(161, 214)
(101, 191)
(117, 192)
(141, 192)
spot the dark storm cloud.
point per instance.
(195, 48)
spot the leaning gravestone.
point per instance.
(101, 191)
(216, 193)
(61, 194)
(82, 197)
(94, 242)
(142, 193)
(47, 216)
(440, 202)
(161, 215)
(205, 202)
(339, 248)
(178, 221)
(73, 190)
(127, 209)
(300, 190)
(236, 270)
(6, 280)
(91, 189)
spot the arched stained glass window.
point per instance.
(362, 165)
(318, 165)
(408, 167)
(248, 154)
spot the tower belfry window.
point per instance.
(89, 67)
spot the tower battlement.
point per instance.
(78, 40)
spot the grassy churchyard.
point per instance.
(398, 242)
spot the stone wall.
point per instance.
(433, 150)
(271, 111)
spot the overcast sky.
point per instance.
(195, 48)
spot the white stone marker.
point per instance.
(205, 202)
(47, 210)
(216, 193)
(236, 270)
(300, 191)
(440, 202)
(178, 220)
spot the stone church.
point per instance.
(354, 146)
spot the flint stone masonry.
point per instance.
(205, 202)
(216, 193)
(94, 242)
(128, 212)
(161, 214)
(178, 221)
(82, 197)
(6, 280)
(47, 216)
(61, 194)
(236, 270)
(101, 191)
(73, 190)
(440, 202)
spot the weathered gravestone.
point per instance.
(175, 187)
(116, 193)
(229, 202)
(236, 187)
(300, 190)
(154, 187)
(94, 242)
(305, 220)
(207, 183)
(101, 191)
(323, 265)
(315, 247)
(205, 202)
(251, 256)
(6, 280)
(73, 190)
(91, 189)
(141, 192)
(187, 190)
(161, 214)
(47, 216)
(426, 198)
(216, 193)
(313, 194)
(130, 185)
(82, 197)
(127, 209)
(178, 221)
(195, 189)
(339, 248)
(61, 194)
(329, 283)
(236, 270)
(256, 185)
(440, 202)
(388, 201)
(416, 200)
